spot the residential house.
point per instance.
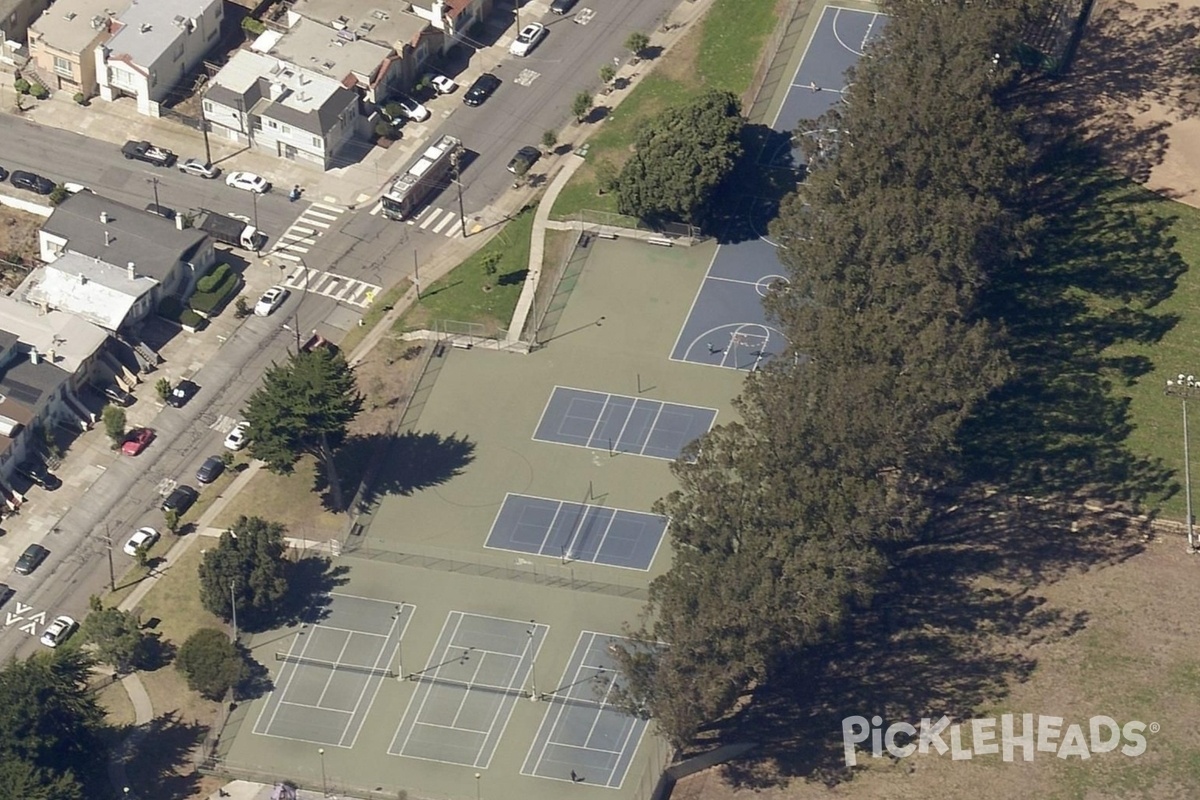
(154, 47)
(146, 244)
(109, 296)
(455, 18)
(64, 40)
(46, 360)
(284, 109)
(15, 18)
(409, 39)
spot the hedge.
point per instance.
(213, 279)
(253, 26)
(190, 319)
(209, 303)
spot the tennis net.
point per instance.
(341, 666)
(548, 697)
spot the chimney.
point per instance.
(179, 222)
(34, 358)
(50, 354)
(107, 238)
(131, 271)
(104, 217)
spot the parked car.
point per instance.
(525, 158)
(142, 537)
(562, 6)
(59, 631)
(144, 151)
(248, 181)
(31, 182)
(440, 83)
(31, 559)
(528, 39)
(238, 437)
(6, 593)
(182, 392)
(3, 174)
(271, 299)
(137, 441)
(117, 395)
(160, 211)
(39, 474)
(411, 108)
(201, 169)
(180, 499)
(481, 89)
(210, 470)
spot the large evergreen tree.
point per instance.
(303, 407)
(248, 566)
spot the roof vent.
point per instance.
(341, 23)
(107, 238)
(70, 15)
(131, 270)
(145, 27)
(104, 217)
(82, 278)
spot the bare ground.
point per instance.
(18, 244)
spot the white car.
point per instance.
(412, 109)
(59, 631)
(441, 84)
(271, 299)
(238, 437)
(248, 181)
(143, 537)
(529, 37)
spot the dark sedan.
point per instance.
(31, 182)
(481, 89)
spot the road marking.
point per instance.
(318, 224)
(306, 231)
(285, 255)
(448, 218)
(375, 209)
(329, 284)
(583, 16)
(429, 219)
(329, 208)
(319, 215)
(526, 77)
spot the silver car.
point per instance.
(194, 166)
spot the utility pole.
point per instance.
(233, 605)
(1183, 387)
(416, 277)
(207, 148)
(462, 216)
(154, 183)
(112, 573)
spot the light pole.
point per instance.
(112, 574)
(477, 777)
(154, 182)
(1183, 387)
(257, 230)
(324, 785)
(533, 694)
(399, 641)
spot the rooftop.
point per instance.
(151, 27)
(320, 48)
(148, 240)
(378, 21)
(87, 287)
(71, 25)
(282, 91)
(71, 339)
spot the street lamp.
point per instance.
(324, 785)
(533, 694)
(233, 605)
(154, 182)
(399, 641)
(1183, 387)
(477, 777)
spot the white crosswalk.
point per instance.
(329, 284)
(302, 235)
(439, 221)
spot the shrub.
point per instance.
(162, 388)
(59, 194)
(607, 73)
(211, 663)
(581, 106)
(549, 140)
(170, 308)
(210, 301)
(190, 319)
(637, 42)
(22, 86)
(384, 130)
(81, 98)
(213, 279)
(39, 92)
(393, 111)
(252, 26)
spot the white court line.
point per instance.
(604, 536)
(550, 529)
(544, 629)
(653, 425)
(588, 749)
(599, 712)
(318, 708)
(354, 630)
(595, 424)
(558, 716)
(429, 686)
(287, 683)
(692, 307)
(633, 726)
(612, 446)
(358, 702)
(735, 280)
(453, 728)
(333, 672)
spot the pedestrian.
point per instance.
(295, 195)
(574, 777)
(814, 86)
(711, 349)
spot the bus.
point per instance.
(423, 177)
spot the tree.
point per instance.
(117, 636)
(303, 407)
(549, 140)
(113, 418)
(637, 42)
(171, 520)
(162, 387)
(248, 566)
(51, 726)
(581, 106)
(211, 663)
(607, 73)
(680, 158)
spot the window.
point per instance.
(285, 129)
(63, 66)
(271, 124)
(316, 141)
(208, 106)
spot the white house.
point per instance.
(107, 295)
(284, 109)
(155, 46)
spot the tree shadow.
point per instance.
(597, 114)
(1103, 261)
(155, 653)
(927, 646)
(514, 278)
(748, 199)
(158, 761)
(412, 461)
(257, 681)
(310, 581)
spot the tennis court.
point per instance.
(467, 691)
(577, 531)
(330, 673)
(586, 739)
(620, 424)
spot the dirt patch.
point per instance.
(1134, 88)
(18, 244)
(387, 377)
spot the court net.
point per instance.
(341, 666)
(548, 697)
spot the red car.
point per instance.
(137, 441)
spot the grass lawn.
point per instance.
(379, 306)
(720, 53)
(1157, 424)
(470, 293)
(288, 499)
